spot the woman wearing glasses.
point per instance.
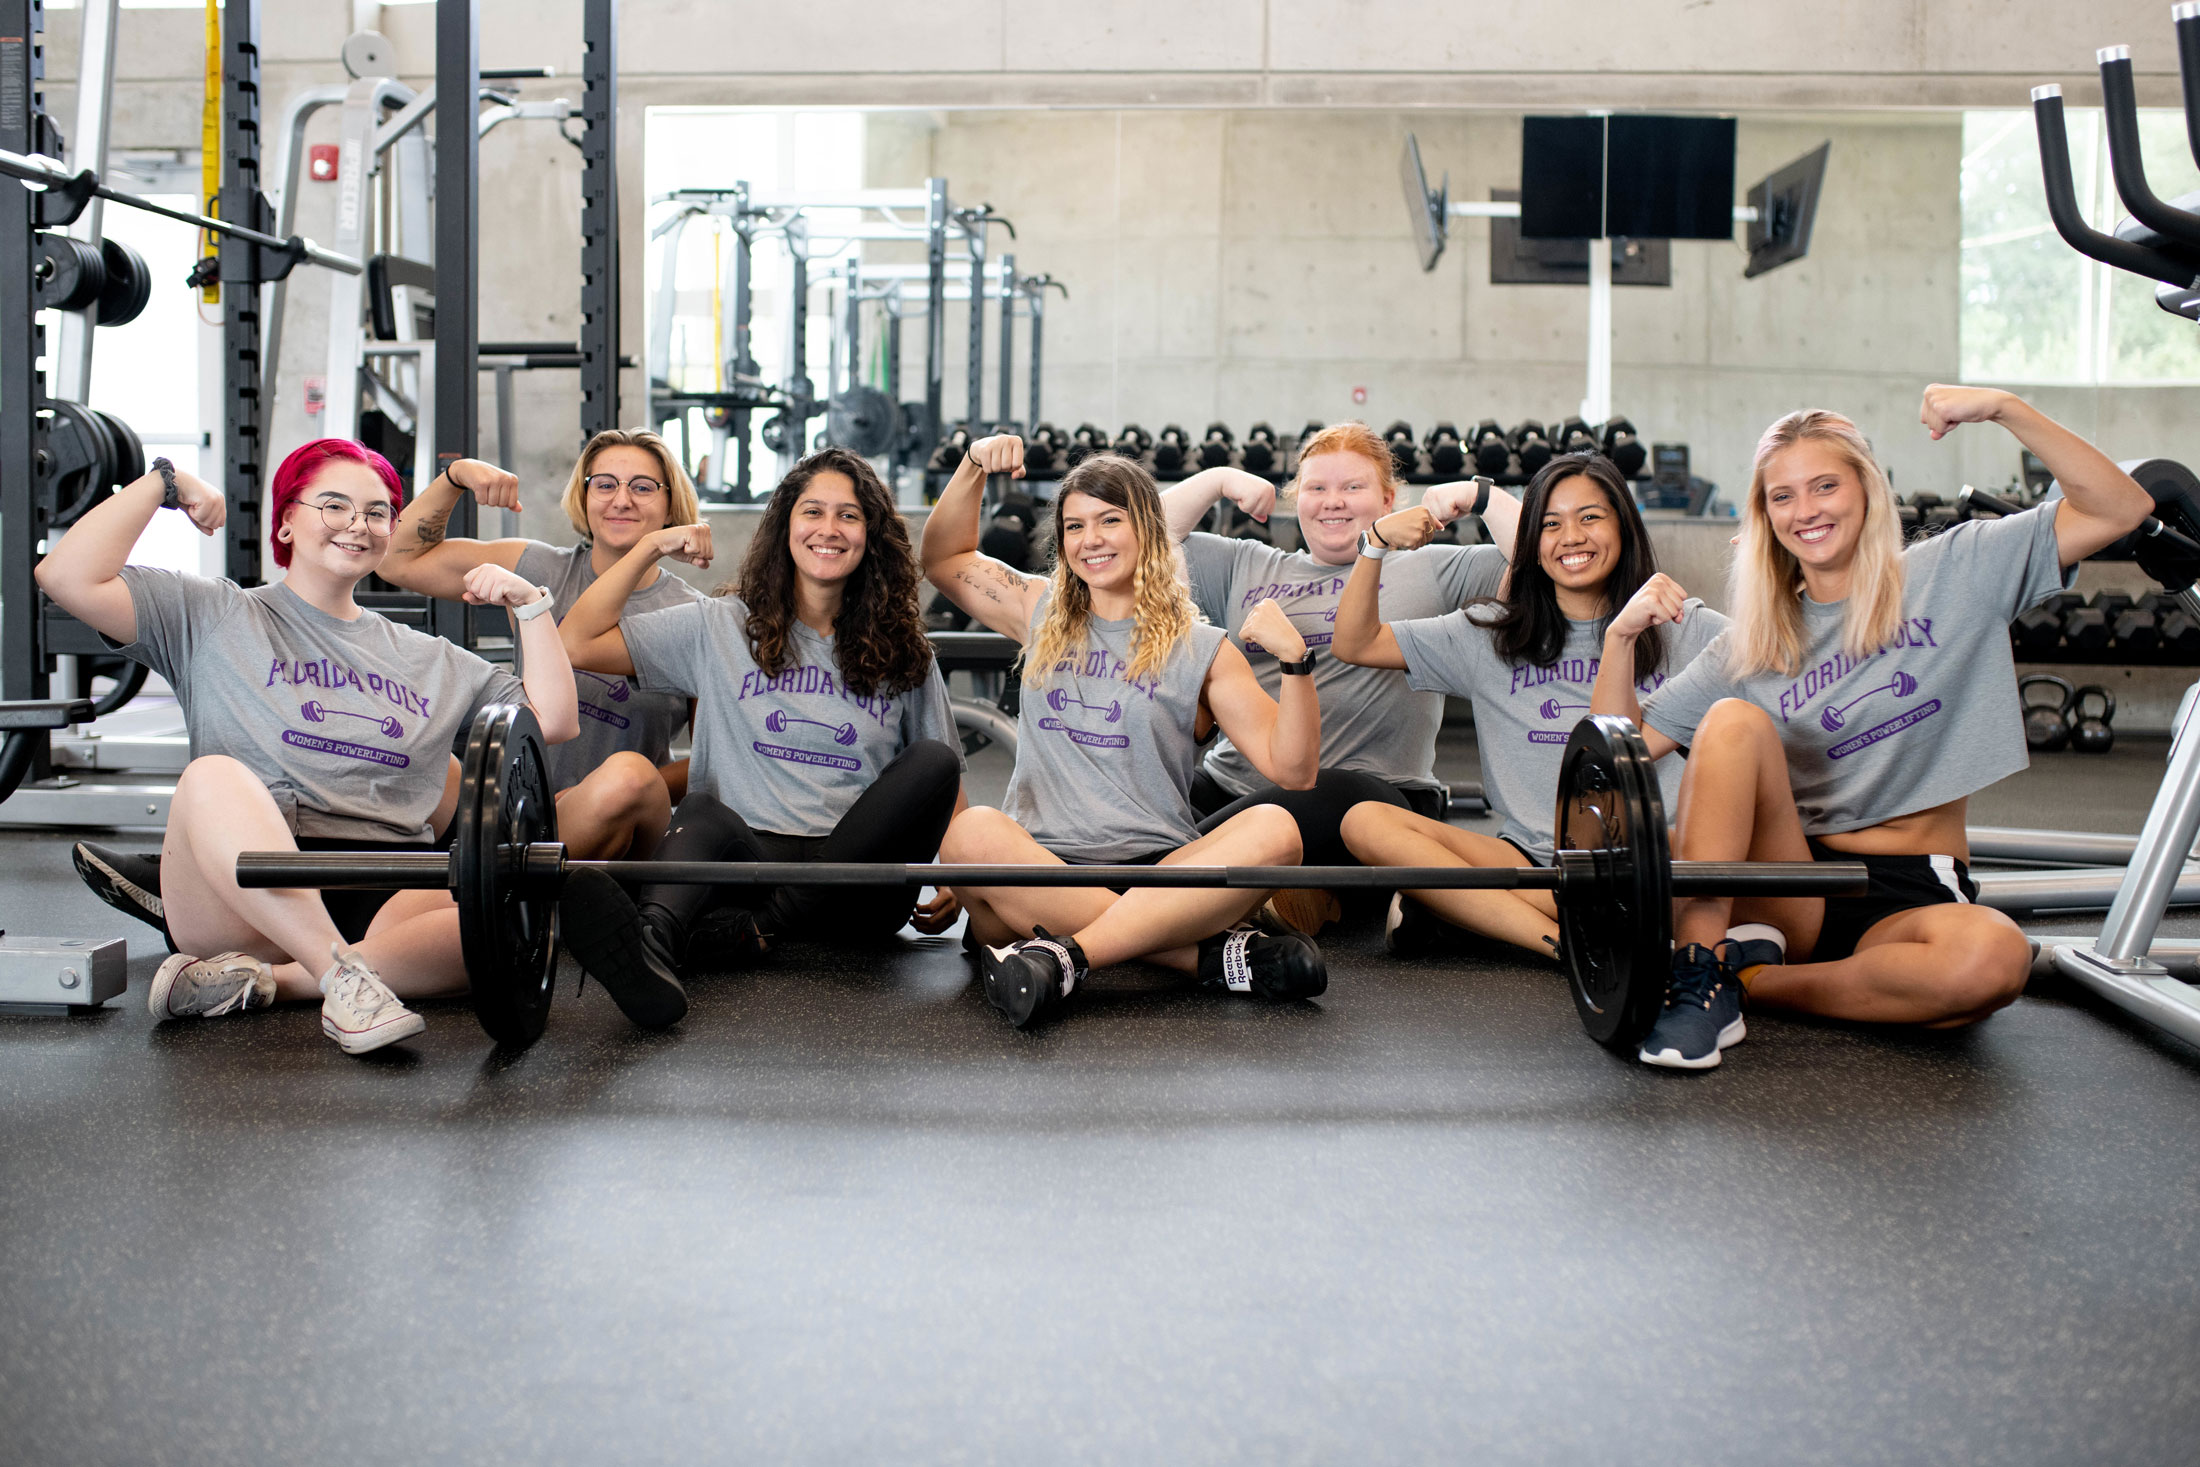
(314, 725)
(615, 783)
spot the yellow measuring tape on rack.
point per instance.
(210, 135)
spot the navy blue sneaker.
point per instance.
(1702, 1015)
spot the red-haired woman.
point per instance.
(314, 725)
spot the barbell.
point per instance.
(1614, 880)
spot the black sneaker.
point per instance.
(725, 938)
(1702, 1014)
(631, 958)
(1029, 981)
(124, 880)
(1277, 967)
(1411, 930)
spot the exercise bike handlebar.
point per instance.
(2120, 113)
(2187, 19)
(2062, 202)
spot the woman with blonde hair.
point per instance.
(1121, 680)
(617, 783)
(1863, 692)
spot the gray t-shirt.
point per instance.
(349, 723)
(1523, 713)
(1927, 719)
(1104, 765)
(1371, 719)
(615, 715)
(788, 754)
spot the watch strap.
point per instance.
(1301, 668)
(534, 608)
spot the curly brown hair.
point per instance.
(878, 633)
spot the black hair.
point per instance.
(1529, 626)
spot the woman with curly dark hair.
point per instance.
(822, 726)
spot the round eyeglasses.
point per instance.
(338, 514)
(603, 486)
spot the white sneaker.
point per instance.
(358, 1011)
(206, 988)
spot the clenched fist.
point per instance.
(1270, 629)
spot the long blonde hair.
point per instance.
(1765, 586)
(1162, 611)
(680, 504)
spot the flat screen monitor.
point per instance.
(1670, 177)
(1562, 177)
(1786, 201)
(1427, 210)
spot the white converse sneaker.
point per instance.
(358, 1011)
(206, 988)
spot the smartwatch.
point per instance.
(1301, 668)
(1482, 486)
(1371, 547)
(534, 608)
(167, 472)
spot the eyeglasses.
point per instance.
(338, 514)
(603, 486)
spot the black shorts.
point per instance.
(1151, 858)
(1527, 857)
(1898, 884)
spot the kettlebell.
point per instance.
(2046, 725)
(2090, 732)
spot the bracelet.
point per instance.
(1372, 549)
(167, 472)
(1482, 487)
(1376, 533)
(534, 608)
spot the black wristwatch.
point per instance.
(1302, 668)
(1482, 486)
(167, 472)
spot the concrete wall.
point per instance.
(1217, 183)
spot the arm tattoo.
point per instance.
(1006, 579)
(429, 532)
(979, 586)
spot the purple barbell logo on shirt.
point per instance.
(779, 720)
(1109, 712)
(316, 712)
(618, 691)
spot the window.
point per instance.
(2035, 310)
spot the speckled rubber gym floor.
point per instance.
(844, 1214)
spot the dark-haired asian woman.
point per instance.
(822, 726)
(1585, 601)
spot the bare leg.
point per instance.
(619, 811)
(1943, 966)
(1160, 925)
(1736, 805)
(1384, 835)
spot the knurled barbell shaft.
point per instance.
(375, 870)
(37, 168)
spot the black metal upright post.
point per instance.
(457, 217)
(935, 310)
(244, 426)
(1008, 341)
(976, 365)
(22, 666)
(599, 217)
(1038, 292)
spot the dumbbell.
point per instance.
(1533, 446)
(2111, 605)
(1059, 700)
(1934, 513)
(1085, 442)
(1260, 452)
(2037, 631)
(1833, 718)
(2137, 629)
(2046, 724)
(1491, 449)
(1132, 442)
(1216, 447)
(1043, 451)
(1405, 455)
(1623, 446)
(1170, 451)
(1575, 436)
(948, 456)
(1551, 707)
(777, 720)
(390, 727)
(2180, 629)
(1447, 456)
(2092, 712)
(2086, 629)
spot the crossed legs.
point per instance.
(1941, 966)
(1384, 835)
(1162, 926)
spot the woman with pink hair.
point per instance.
(315, 725)
(1861, 694)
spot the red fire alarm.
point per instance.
(1359, 394)
(316, 395)
(321, 162)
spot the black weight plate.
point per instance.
(69, 272)
(129, 461)
(863, 420)
(1615, 913)
(507, 932)
(129, 284)
(76, 449)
